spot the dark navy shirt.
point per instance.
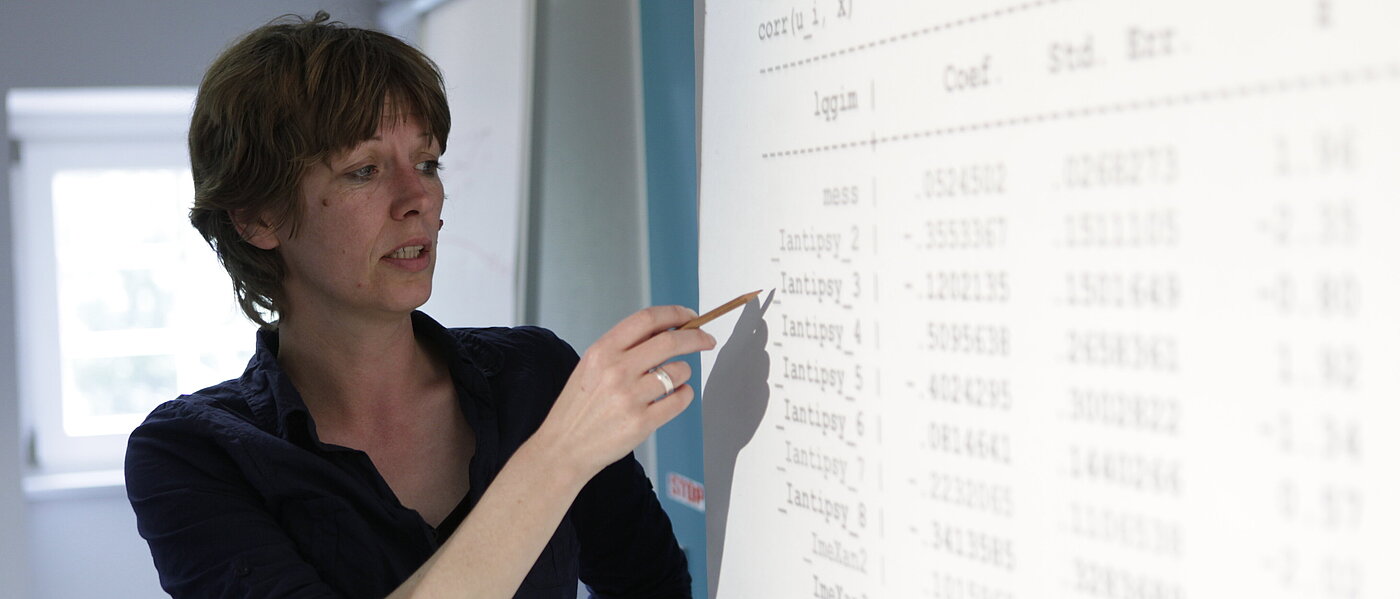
(238, 498)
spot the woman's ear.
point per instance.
(254, 231)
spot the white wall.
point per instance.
(85, 544)
(484, 48)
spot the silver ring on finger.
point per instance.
(666, 382)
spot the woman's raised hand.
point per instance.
(607, 407)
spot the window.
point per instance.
(121, 305)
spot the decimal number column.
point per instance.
(1119, 292)
(951, 221)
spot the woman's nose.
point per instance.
(412, 194)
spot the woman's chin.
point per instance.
(411, 302)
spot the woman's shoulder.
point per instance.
(196, 440)
(522, 337)
(522, 368)
(500, 347)
(228, 408)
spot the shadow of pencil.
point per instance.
(733, 404)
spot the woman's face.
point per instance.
(367, 241)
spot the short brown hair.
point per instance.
(290, 94)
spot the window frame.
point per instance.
(63, 129)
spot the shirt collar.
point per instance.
(470, 360)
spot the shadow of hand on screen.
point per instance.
(734, 401)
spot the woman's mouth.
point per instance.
(413, 258)
(406, 253)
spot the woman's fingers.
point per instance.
(643, 325)
(661, 412)
(665, 379)
(669, 344)
(624, 387)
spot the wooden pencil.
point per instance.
(720, 311)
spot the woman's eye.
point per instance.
(429, 167)
(364, 172)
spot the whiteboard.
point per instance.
(484, 50)
(1072, 298)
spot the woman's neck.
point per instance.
(354, 373)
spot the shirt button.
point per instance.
(244, 571)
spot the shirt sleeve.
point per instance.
(208, 533)
(627, 547)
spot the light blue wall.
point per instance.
(668, 83)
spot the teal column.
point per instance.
(668, 95)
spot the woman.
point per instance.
(353, 456)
